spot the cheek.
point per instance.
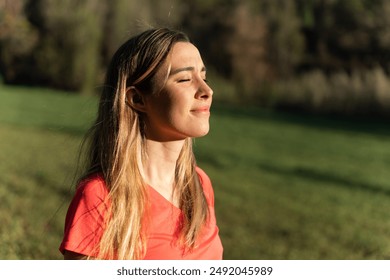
(162, 110)
(176, 105)
(170, 104)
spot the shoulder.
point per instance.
(93, 184)
(92, 190)
(204, 178)
(90, 202)
(86, 216)
(206, 184)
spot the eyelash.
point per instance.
(187, 80)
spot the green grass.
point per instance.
(299, 187)
(40, 132)
(287, 186)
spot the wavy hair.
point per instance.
(117, 146)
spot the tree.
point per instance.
(124, 18)
(284, 29)
(67, 55)
(17, 39)
(346, 34)
(249, 49)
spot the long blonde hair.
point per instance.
(117, 143)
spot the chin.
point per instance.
(201, 133)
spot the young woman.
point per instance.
(143, 196)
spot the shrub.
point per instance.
(358, 93)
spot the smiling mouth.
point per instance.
(201, 110)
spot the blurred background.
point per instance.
(299, 145)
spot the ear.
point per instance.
(135, 99)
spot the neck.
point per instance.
(158, 168)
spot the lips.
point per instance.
(203, 109)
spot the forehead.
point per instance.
(184, 54)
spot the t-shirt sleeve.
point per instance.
(86, 218)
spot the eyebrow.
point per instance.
(189, 68)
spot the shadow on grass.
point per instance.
(230, 160)
(323, 177)
(70, 130)
(55, 128)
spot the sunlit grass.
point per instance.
(299, 187)
(286, 186)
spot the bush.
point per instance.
(359, 93)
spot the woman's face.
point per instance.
(182, 108)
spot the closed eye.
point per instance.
(184, 80)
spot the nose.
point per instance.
(204, 90)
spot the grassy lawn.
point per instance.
(287, 186)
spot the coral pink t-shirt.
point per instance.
(85, 221)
